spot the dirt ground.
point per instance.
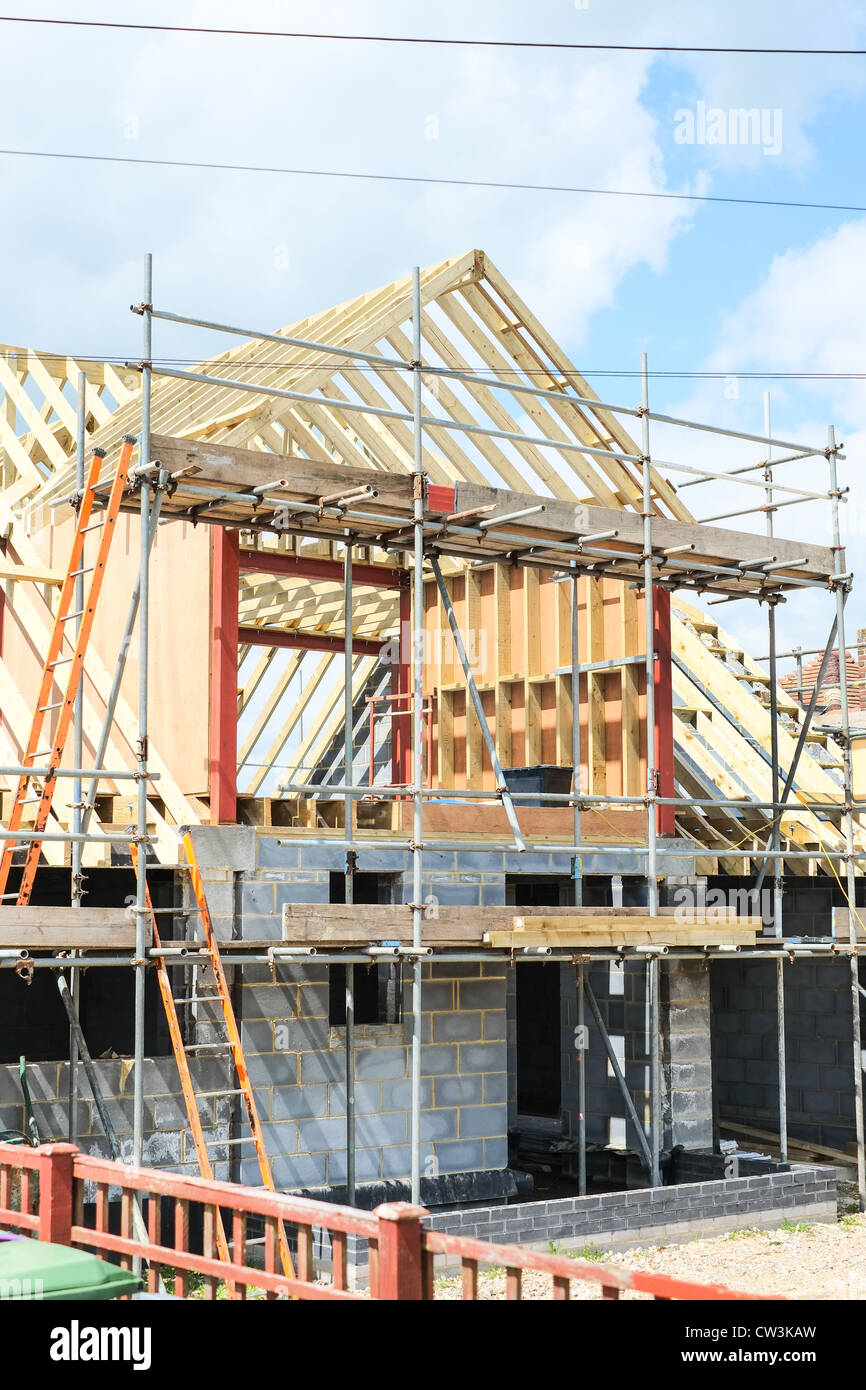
(800, 1261)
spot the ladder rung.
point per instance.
(196, 999)
(203, 1047)
(85, 569)
(94, 526)
(79, 614)
(61, 661)
(202, 1095)
(224, 1143)
(43, 709)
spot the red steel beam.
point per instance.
(224, 679)
(302, 567)
(308, 641)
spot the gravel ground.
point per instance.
(799, 1262)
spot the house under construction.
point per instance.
(385, 810)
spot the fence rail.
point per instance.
(147, 1214)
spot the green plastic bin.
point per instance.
(35, 1269)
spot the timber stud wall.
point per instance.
(516, 623)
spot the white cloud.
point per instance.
(807, 316)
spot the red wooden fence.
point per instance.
(44, 1193)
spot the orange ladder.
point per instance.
(221, 995)
(44, 794)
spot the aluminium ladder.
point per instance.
(43, 789)
(232, 1044)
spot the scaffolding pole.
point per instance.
(417, 728)
(141, 909)
(577, 880)
(349, 877)
(845, 731)
(775, 834)
(78, 759)
(652, 776)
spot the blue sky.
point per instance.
(698, 286)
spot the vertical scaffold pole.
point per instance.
(652, 972)
(577, 878)
(776, 836)
(141, 910)
(848, 819)
(77, 761)
(349, 760)
(417, 730)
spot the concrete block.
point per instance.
(456, 894)
(298, 1102)
(482, 1057)
(159, 1150)
(224, 846)
(257, 1035)
(257, 899)
(457, 1027)
(323, 1066)
(439, 1124)
(437, 996)
(273, 1068)
(367, 1165)
(397, 1095)
(313, 1001)
(268, 1001)
(272, 855)
(368, 1099)
(438, 1060)
(381, 1130)
(495, 1025)
(483, 1121)
(397, 1161)
(460, 1090)
(301, 1035)
(481, 994)
(299, 1170)
(459, 1156)
(380, 1063)
(315, 1134)
(495, 1086)
(298, 892)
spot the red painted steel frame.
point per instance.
(318, 567)
(224, 678)
(307, 641)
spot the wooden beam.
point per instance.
(65, 928)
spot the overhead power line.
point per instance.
(547, 44)
(500, 185)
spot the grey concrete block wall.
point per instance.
(298, 1065)
(167, 1140)
(681, 1211)
(819, 1048)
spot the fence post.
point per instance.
(55, 1192)
(400, 1263)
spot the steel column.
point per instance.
(224, 679)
